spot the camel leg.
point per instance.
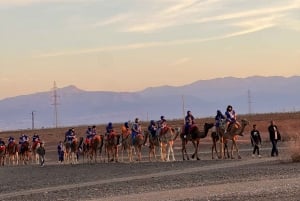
(221, 148)
(168, 154)
(172, 151)
(237, 150)
(183, 150)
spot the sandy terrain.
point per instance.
(253, 179)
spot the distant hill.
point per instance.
(76, 107)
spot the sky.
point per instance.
(129, 45)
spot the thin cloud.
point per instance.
(180, 61)
(187, 13)
(112, 20)
(152, 44)
(13, 3)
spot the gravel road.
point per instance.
(259, 179)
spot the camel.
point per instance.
(111, 147)
(95, 145)
(167, 137)
(231, 134)
(127, 144)
(71, 151)
(153, 143)
(2, 154)
(25, 152)
(35, 156)
(215, 138)
(194, 136)
(138, 142)
(13, 154)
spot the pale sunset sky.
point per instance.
(129, 45)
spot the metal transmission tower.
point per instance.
(249, 102)
(55, 104)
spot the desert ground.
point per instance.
(259, 179)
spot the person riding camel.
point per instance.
(11, 140)
(135, 129)
(125, 130)
(2, 143)
(88, 134)
(109, 130)
(189, 121)
(152, 128)
(231, 118)
(161, 124)
(70, 136)
(23, 138)
(218, 119)
(94, 131)
(35, 138)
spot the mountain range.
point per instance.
(254, 94)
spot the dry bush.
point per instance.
(294, 147)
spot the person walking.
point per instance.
(41, 152)
(255, 141)
(274, 137)
(60, 152)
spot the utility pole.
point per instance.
(249, 102)
(183, 109)
(32, 119)
(55, 104)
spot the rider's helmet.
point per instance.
(188, 112)
(110, 124)
(152, 122)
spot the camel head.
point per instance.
(245, 122)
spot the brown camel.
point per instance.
(111, 147)
(153, 144)
(215, 138)
(13, 154)
(194, 136)
(2, 154)
(232, 134)
(95, 145)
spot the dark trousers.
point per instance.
(274, 148)
(256, 148)
(61, 156)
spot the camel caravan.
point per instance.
(129, 142)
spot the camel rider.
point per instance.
(152, 128)
(94, 131)
(23, 138)
(218, 118)
(88, 134)
(135, 129)
(109, 129)
(70, 135)
(2, 143)
(189, 121)
(125, 131)
(230, 117)
(162, 123)
(35, 138)
(11, 139)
